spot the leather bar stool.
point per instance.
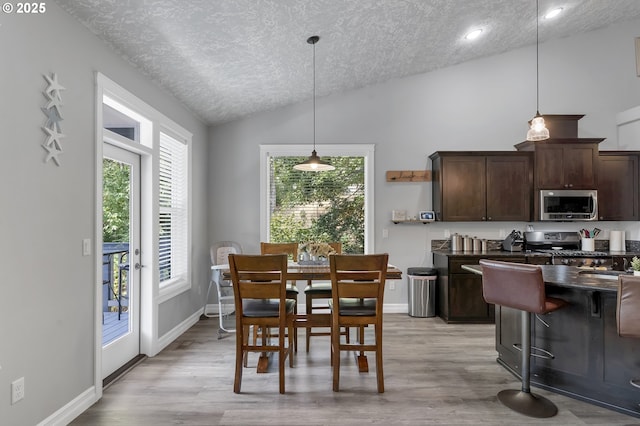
(520, 287)
(628, 310)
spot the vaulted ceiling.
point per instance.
(226, 59)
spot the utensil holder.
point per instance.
(588, 244)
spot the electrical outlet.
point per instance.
(392, 285)
(86, 247)
(17, 390)
(385, 233)
(447, 233)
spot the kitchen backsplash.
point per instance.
(600, 245)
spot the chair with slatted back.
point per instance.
(219, 253)
(291, 250)
(628, 311)
(259, 289)
(357, 282)
(319, 290)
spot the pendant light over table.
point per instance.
(538, 130)
(314, 163)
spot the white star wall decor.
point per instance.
(52, 110)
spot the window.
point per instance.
(173, 210)
(318, 206)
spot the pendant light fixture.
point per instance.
(314, 163)
(538, 130)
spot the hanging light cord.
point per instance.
(314, 96)
(537, 60)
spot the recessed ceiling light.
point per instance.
(473, 34)
(553, 13)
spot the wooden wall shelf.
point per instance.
(409, 176)
(411, 221)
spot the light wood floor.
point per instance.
(435, 374)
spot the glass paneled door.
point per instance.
(120, 257)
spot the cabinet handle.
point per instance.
(484, 218)
(490, 218)
(595, 304)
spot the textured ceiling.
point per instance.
(226, 59)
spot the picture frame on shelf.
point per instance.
(427, 216)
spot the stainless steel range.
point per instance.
(563, 247)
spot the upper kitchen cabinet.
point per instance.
(564, 161)
(564, 164)
(482, 186)
(618, 185)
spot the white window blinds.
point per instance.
(173, 210)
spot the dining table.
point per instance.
(312, 271)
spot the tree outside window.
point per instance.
(318, 206)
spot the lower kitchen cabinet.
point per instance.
(459, 292)
(589, 361)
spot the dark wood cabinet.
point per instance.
(564, 164)
(459, 292)
(482, 186)
(618, 185)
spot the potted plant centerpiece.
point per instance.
(315, 253)
(635, 265)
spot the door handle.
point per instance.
(137, 266)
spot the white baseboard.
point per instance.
(86, 399)
(73, 409)
(166, 339)
(395, 308)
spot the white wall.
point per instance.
(479, 105)
(47, 286)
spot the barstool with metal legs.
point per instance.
(628, 310)
(520, 287)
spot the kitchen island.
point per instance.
(590, 361)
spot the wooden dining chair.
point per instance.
(291, 250)
(357, 298)
(321, 318)
(259, 289)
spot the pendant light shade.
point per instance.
(538, 130)
(314, 163)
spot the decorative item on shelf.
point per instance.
(314, 253)
(635, 265)
(398, 215)
(538, 130)
(314, 163)
(427, 216)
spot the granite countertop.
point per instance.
(572, 277)
(494, 253)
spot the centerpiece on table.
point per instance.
(635, 265)
(314, 253)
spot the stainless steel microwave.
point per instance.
(568, 205)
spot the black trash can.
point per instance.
(422, 291)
